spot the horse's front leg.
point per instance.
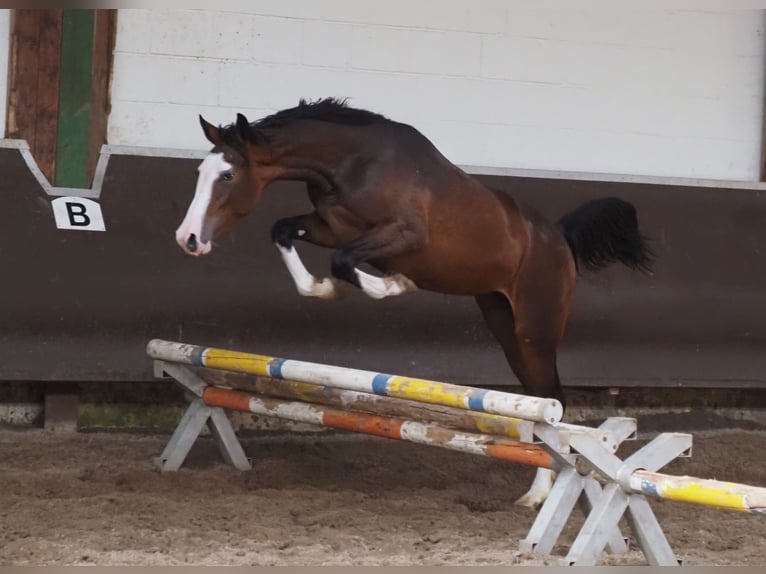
(380, 242)
(312, 229)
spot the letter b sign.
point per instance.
(78, 213)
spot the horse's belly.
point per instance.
(455, 272)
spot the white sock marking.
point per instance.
(540, 489)
(382, 287)
(329, 288)
(305, 282)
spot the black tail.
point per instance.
(605, 231)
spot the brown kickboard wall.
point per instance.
(80, 306)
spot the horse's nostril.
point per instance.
(191, 243)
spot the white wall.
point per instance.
(5, 41)
(492, 83)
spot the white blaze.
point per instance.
(209, 171)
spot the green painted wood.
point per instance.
(75, 98)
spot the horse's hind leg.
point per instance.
(529, 335)
(529, 341)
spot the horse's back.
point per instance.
(477, 238)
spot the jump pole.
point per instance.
(500, 403)
(718, 494)
(715, 493)
(484, 423)
(382, 426)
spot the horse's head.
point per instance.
(228, 185)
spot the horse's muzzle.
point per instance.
(192, 245)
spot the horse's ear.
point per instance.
(211, 132)
(244, 131)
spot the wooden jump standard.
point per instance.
(500, 425)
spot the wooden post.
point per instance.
(59, 89)
(34, 83)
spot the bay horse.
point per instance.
(384, 195)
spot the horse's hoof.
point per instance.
(400, 284)
(325, 288)
(531, 500)
(329, 289)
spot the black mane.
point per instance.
(333, 110)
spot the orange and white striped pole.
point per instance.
(388, 427)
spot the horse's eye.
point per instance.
(227, 176)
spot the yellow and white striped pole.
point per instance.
(727, 495)
(481, 400)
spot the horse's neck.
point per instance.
(305, 155)
(313, 141)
